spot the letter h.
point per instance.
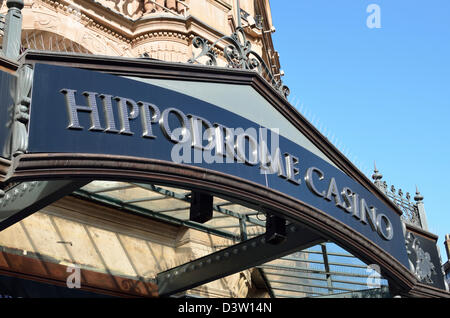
(73, 109)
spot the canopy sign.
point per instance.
(80, 111)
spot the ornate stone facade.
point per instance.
(163, 29)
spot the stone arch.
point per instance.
(70, 25)
(164, 48)
(48, 41)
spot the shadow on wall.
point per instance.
(113, 250)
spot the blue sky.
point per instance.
(382, 94)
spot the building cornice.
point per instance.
(225, 5)
(8, 65)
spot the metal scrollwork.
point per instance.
(207, 51)
(239, 54)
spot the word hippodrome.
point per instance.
(236, 145)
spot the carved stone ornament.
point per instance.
(423, 267)
(22, 110)
(10, 122)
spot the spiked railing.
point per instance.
(413, 212)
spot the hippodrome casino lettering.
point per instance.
(226, 144)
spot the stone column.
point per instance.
(13, 29)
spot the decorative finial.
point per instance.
(418, 197)
(377, 175)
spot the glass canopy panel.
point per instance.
(321, 271)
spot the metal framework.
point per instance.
(319, 271)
